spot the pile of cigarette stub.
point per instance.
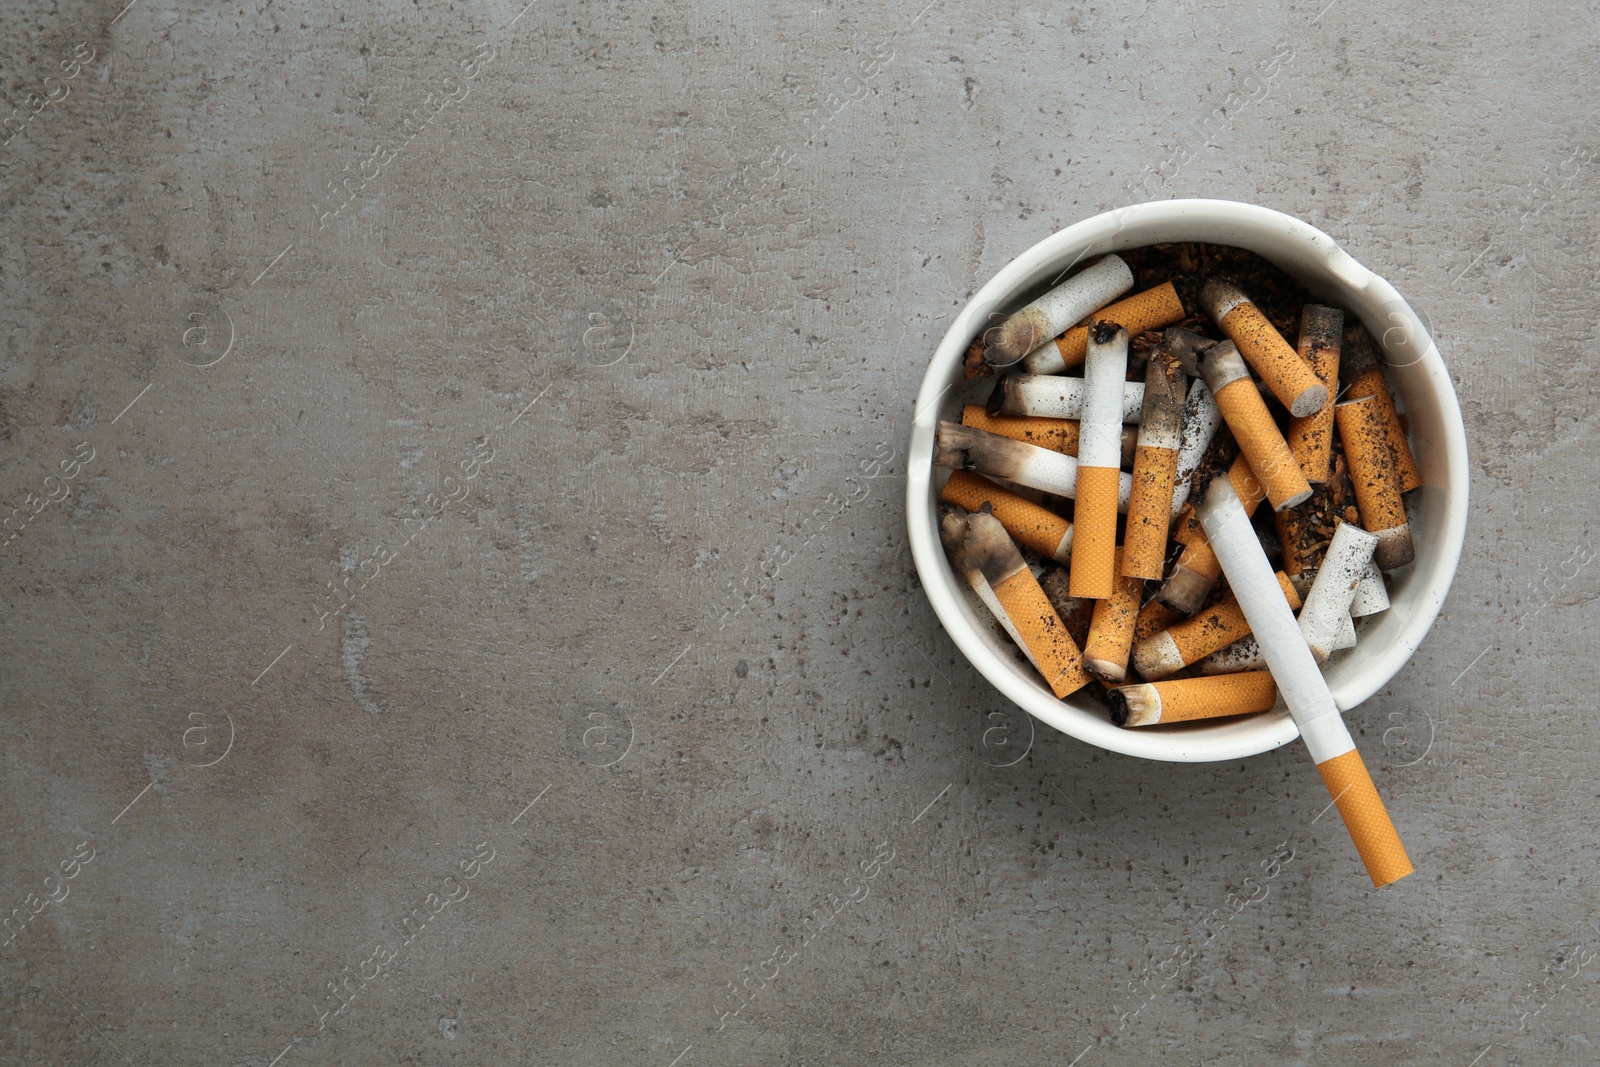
(1182, 408)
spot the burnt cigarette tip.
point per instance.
(953, 526)
(1185, 590)
(1186, 347)
(1105, 670)
(1008, 342)
(1133, 705)
(1321, 327)
(1218, 297)
(996, 403)
(1104, 332)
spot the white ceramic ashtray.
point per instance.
(1433, 512)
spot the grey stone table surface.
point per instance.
(629, 302)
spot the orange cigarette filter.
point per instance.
(1043, 632)
(1076, 612)
(1094, 538)
(1366, 379)
(1149, 310)
(1153, 618)
(1193, 639)
(1366, 818)
(1289, 377)
(1187, 699)
(1155, 469)
(1043, 531)
(1059, 435)
(1259, 440)
(1105, 654)
(1311, 438)
(1375, 477)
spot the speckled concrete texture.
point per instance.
(458, 610)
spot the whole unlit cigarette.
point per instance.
(1052, 313)
(1058, 435)
(953, 533)
(1243, 655)
(1375, 477)
(1311, 438)
(967, 448)
(1326, 613)
(1105, 369)
(1247, 416)
(1201, 417)
(1372, 596)
(1195, 638)
(1301, 684)
(1185, 699)
(1197, 568)
(1041, 629)
(1155, 468)
(1149, 310)
(1055, 396)
(1289, 377)
(1363, 375)
(1105, 654)
(1041, 530)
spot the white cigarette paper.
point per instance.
(1064, 306)
(1372, 596)
(1058, 396)
(1105, 370)
(1201, 417)
(1325, 615)
(1272, 622)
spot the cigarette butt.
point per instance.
(1200, 421)
(1186, 699)
(1155, 469)
(1058, 435)
(1375, 477)
(1372, 596)
(1243, 655)
(1054, 396)
(959, 447)
(1105, 654)
(1195, 638)
(1259, 440)
(1325, 618)
(1076, 612)
(1366, 818)
(1311, 438)
(953, 533)
(1364, 377)
(1149, 310)
(1057, 309)
(1288, 376)
(1041, 629)
(1153, 618)
(1197, 568)
(1043, 531)
(1099, 471)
